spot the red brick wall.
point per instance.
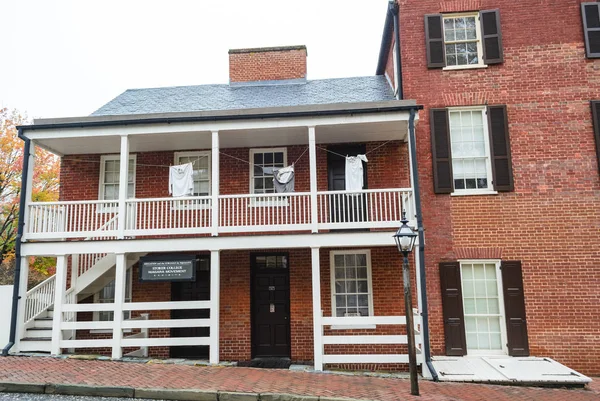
(80, 174)
(267, 64)
(551, 220)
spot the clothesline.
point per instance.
(237, 158)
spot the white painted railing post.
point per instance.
(74, 269)
(120, 280)
(123, 185)
(29, 188)
(59, 300)
(312, 150)
(317, 314)
(215, 263)
(23, 279)
(215, 183)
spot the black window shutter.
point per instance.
(440, 149)
(491, 36)
(500, 148)
(514, 308)
(596, 120)
(434, 39)
(590, 13)
(452, 307)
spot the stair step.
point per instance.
(40, 328)
(39, 333)
(43, 318)
(29, 344)
(36, 339)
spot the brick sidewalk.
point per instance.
(151, 375)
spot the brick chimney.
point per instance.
(267, 64)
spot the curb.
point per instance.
(156, 393)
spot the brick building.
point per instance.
(236, 271)
(534, 198)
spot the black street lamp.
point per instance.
(405, 239)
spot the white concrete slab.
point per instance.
(506, 370)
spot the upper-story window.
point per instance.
(110, 167)
(471, 150)
(471, 164)
(590, 13)
(462, 39)
(201, 163)
(465, 40)
(261, 170)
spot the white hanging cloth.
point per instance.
(181, 180)
(354, 172)
(284, 180)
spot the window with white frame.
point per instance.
(351, 285)
(107, 295)
(483, 307)
(201, 165)
(462, 39)
(471, 163)
(263, 161)
(110, 168)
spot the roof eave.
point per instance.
(386, 41)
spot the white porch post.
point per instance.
(74, 269)
(215, 183)
(312, 149)
(29, 187)
(120, 280)
(59, 300)
(215, 263)
(23, 279)
(123, 184)
(317, 312)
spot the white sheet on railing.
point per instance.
(181, 180)
(354, 172)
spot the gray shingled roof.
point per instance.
(226, 97)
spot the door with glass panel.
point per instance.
(483, 308)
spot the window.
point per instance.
(590, 13)
(471, 166)
(275, 261)
(483, 307)
(462, 40)
(109, 177)
(467, 40)
(261, 174)
(201, 163)
(351, 286)
(107, 295)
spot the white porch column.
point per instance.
(317, 312)
(123, 184)
(215, 183)
(74, 269)
(29, 186)
(120, 282)
(59, 300)
(312, 149)
(215, 293)
(23, 278)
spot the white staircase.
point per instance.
(93, 273)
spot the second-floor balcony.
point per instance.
(114, 179)
(246, 213)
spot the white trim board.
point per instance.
(328, 240)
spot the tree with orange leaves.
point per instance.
(45, 183)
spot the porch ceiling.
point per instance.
(233, 138)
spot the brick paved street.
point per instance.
(156, 375)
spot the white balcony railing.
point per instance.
(372, 208)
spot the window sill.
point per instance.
(470, 193)
(464, 67)
(355, 327)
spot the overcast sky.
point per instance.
(68, 58)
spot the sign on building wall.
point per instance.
(168, 268)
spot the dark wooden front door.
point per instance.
(270, 305)
(347, 208)
(198, 290)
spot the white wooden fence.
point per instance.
(367, 339)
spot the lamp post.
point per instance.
(405, 240)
